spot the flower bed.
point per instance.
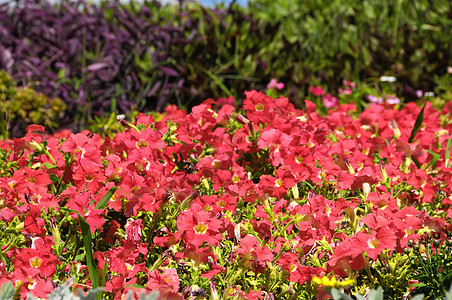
(262, 201)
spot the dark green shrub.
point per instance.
(22, 106)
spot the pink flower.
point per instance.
(419, 93)
(223, 101)
(350, 84)
(392, 100)
(274, 84)
(330, 101)
(375, 99)
(346, 91)
(317, 90)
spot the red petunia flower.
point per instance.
(31, 262)
(199, 226)
(317, 90)
(253, 253)
(377, 241)
(166, 279)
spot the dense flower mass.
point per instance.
(253, 203)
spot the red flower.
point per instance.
(84, 147)
(199, 226)
(115, 284)
(166, 279)
(89, 175)
(277, 142)
(317, 90)
(297, 273)
(379, 240)
(133, 230)
(253, 253)
(82, 203)
(38, 287)
(348, 251)
(31, 262)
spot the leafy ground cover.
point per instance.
(255, 202)
(113, 58)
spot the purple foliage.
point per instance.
(86, 54)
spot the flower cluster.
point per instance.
(267, 201)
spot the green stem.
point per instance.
(60, 180)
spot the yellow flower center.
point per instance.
(89, 177)
(235, 178)
(409, 231)
(216, 164)
(142, 144)
(382, 204)
(35, 262)
(32, 179)
(373, 243)
(259, 107)
(221, 203)
(201, 228)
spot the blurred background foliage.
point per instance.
(117, 58)
(21, 106)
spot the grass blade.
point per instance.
(446, 161)
(417, 124)
(218, 81)
(104, 201)
(87, 242)
(104, 271)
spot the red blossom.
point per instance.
(378, 240)
(31, 262)
(199, 226)
(316, 90)
(166, 279)
(366, 156)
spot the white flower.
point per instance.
(388, 79)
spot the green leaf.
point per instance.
(7, 290)
(49, 165)
(138, 286)
(218, 82)
(376, 294)
(417, 285)
(449, 144)
(435, 158)
(54, 178)
(151, 296)
(87, 242)
(104, 271)
(417, 124)
(448, 295)
(418, 297)
(104, 201)
(337, 295)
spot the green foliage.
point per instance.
(7, 291)
(391, 273)
(199, 53)
(431, 260)
(327, 41)
(7, 166)
(22, 106)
